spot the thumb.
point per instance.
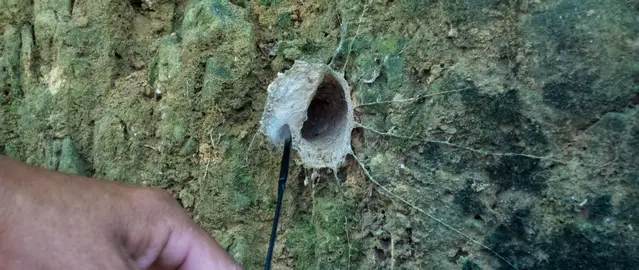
(162, 236)
(190, 248)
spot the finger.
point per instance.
(190, 248)
(160, 234)
(207, 254)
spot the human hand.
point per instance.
(51, 220)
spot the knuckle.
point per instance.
(159, 207)
(153, 197)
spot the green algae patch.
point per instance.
(301, 240)
(380, 69)
(269, 3)
(10, 64)
(234, 188)
(70, 160)
(284, 20)
(243, 248)
(216, 78)
(322, 239)
(15, 12)
(230, 193)
(12, 149)
(32, 117)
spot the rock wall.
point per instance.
(515, 123)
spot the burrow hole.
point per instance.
(327, 112)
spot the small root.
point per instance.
(359, 24)
(202, 180)
(248, 151)
(313, 202)
(154, 148)
(348, 238)
(392, 251)
(219, 137)
(348, 243)
(478, 151)
(392, 195)
(343, 29)
(414, 99)
(376, 72)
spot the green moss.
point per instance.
(52, 154)
(84, 42)
(510, 241)
(468, 200)
(178, 132)
(173, 127)
(152, 71)
(383, 166)
(168, 60)
(283, 20)
(390, 46)
(216, 76)
(292, 53)
(301, 241)
(12, 149)
(31, 117)
(600, 208)
(384, 67)
(213, 14)
(300, 49)
(220, 9)
(243, 192)
(394, 68)
(186, 198)
(189, 147)
(28, 56)
(10, 65)
(110, 148)
(322, 241)
(243, 248)
(233, 187)
(224, 45)
(361, 43)
(70, 160)
(517, 172)
(468, 264)
(472, 11)
(217, 71)
(268, 3)
(15, 12)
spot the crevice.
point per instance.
(178, 14)
(35, 53)
(71, 6)
(136, 5)
(125, 130)
(634, 99)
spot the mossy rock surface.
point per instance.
(513, 122)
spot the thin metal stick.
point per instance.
(280, 193)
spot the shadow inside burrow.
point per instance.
(326, 114)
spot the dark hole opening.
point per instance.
(136, 3)
(327, 111)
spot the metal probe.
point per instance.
(285, 133)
